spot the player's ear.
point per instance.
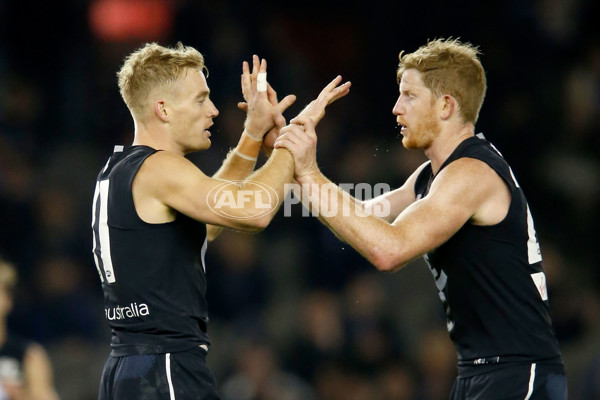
(448, 106)
(160, 110)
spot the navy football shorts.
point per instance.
(521, 381)
(172, 376)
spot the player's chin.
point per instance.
(204, 144)
(408, 143)
(413, 145)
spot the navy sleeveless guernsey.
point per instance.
(490, 278)
(153, 275)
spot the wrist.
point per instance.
(248, 148)
(308, 176)
(244, 156)
(253, 136)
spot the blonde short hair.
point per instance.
(152, 66)
(448, 66)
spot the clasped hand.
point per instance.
(265, 112)
(300, 137)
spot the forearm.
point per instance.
(237, 166)
(275, 176)
(344, 215)
(241, 160)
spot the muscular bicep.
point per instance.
(389, 205)
(167, 183)
(457, 194)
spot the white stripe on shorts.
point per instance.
(531, 380)
(168, 368)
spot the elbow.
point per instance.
(386, 262)
(261, 223)
(384, 265)
(255, 225)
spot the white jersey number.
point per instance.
(534, 254)
(103, 247)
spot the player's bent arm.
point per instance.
(38, 374)
(238, 164)
(389, 205)
(168, 182)
(456, 196)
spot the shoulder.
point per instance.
(467, 172)
(469, 182)
(164, 167)
(165, 159)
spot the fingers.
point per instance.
(246, 80)
(279, 120)
(263, 65)
(305, 122)
(255, 66)
(271, 94)
(297, 141)
(249, 78)
(242, 105)
(261, 78)
(340, 92)
(308, 124)
(332, 91)
(254, 72)
(286, 102)
(288, 140)
(333, 83)
(296, 134)
(331, 86)
(291, 133)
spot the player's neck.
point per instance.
(153, 135)
(446, 142)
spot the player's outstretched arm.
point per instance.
(389, 205)
(458, 192)
(168, 183)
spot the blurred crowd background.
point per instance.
(295, 313)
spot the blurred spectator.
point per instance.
(18, 234)
(25, 370)
(373, 341)
(319, 334)
(436, 365)
(240, 287)
(61, 305)
(258, 376)
(397, 382)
